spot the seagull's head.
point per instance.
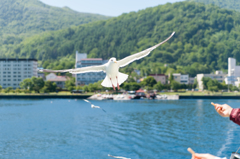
(112, 60)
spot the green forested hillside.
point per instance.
(205, 37)
(228, 4)
(21, 18)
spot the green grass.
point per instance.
(188, 93)
(52, 93)
(204, 93)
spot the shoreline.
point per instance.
(87, 96)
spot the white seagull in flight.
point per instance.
(113, 78)
(118, 157)
(93, 106)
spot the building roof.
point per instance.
(16, 59)
(176, 74)
(59, 79)
(157, 75)
(92, 59)
(140, 90)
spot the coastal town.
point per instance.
(17, 74)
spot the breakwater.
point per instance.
(208, 97)
(87, 96)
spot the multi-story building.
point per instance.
(183, 79)
(91, 77)
(191, 80)
(233, 72)
(176, 77)
(159, 77)
(14, 71)
(219, 76)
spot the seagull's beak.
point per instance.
(115, 61)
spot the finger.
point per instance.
(191, 151)
(213, 104)
(197, 155)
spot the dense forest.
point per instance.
(228, 4)
(206, 36)
(23, 18)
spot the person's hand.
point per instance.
(203, 156)
(223, 110)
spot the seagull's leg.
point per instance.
(117, 84)
(112, 85)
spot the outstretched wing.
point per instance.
(127, 60)
(87, 101)
(103, 110)
(80, 70)
(118, 157)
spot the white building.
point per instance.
(91, 77)
(219, 76)
(233, 72)
(183, 79)
(14, 71)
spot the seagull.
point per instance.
(118, 157)
(113, 78)
(93, 106)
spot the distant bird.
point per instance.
(93, 106)
(113, 78)
(118, 157)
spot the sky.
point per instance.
(107, 7)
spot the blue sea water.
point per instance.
(146, 129)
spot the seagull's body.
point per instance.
(94, 106)
(118, 157)
(113, 78)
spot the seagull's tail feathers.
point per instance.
(106, 82)
(122, 78)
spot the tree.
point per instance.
(37, 84)
(149, 81)
(175, 85)
(49, 87)
(132, 86)
(8, 89)
(158, 86)
(205, 80)
(26, 84)
(70, 84)
(0, 88)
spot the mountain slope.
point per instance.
(205, 37)
(28, 17)
(228, 4)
